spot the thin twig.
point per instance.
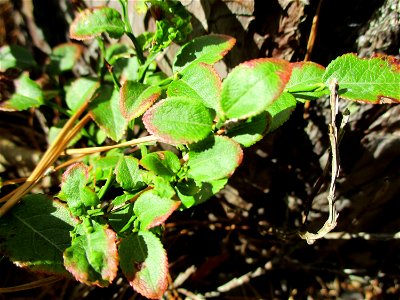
(333, 138)
(90, 150)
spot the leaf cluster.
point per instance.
(111, 208)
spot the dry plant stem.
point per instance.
(31, 285)
(333, 138)
(313, 33)
(90, 150)
(49, 157)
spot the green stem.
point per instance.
(129, 31)
(102, 47)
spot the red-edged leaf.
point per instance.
(179, 120)
(374, 80)
(144, 263)
(105, 111)
(152, 210)
(136, 98)
(92, 22)
(199, 81)
(214, 158)
(74, 191)
(207, 49)
(35, 233)
(254, 85)
(92, 258)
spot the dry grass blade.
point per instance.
(31, 285)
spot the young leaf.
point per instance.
(92, 258)
(207, 49)
(106, 112)
(152, 210)
(36, 233)
(81, 90)
(64, 57)
(374, 80)
(14, 56)
(179, 120)
(252, 86)
(193, 195)
(74, 191)
(28, 94)
(128, 174)
(93, 22)
(199, 81)
(163, 163)
(281, 110)
(250, 131)
(136, 98)
(306, 82)
(144, 263)
(214, 158)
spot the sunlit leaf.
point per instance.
(214, 158)
(92, 22)
(136, 98)
(252, 86)
(207, 49)
(152, 210)
(74, 191)
(199, 81)
(372, 80)
(28, 94)
(179, 120)
(92, 258)
(144, 263)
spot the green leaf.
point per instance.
(74, 191)
(199, 81)
(373, 80)
(36, 233)
(163, 163)
(281, 110)
(105, 111)
(28, 94)
(207, 49)
(136, 98)
(214, 158)
(102, 166)
(179, 120)
(128, 174)
(152, 210)
(64, 57)
(122, 219)
(191, 193)
(81, 90)
(306, 81)
(250, 131)
(252, 86)
(92, 258)
(144, 263)
(90, 23)
(14, 56)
